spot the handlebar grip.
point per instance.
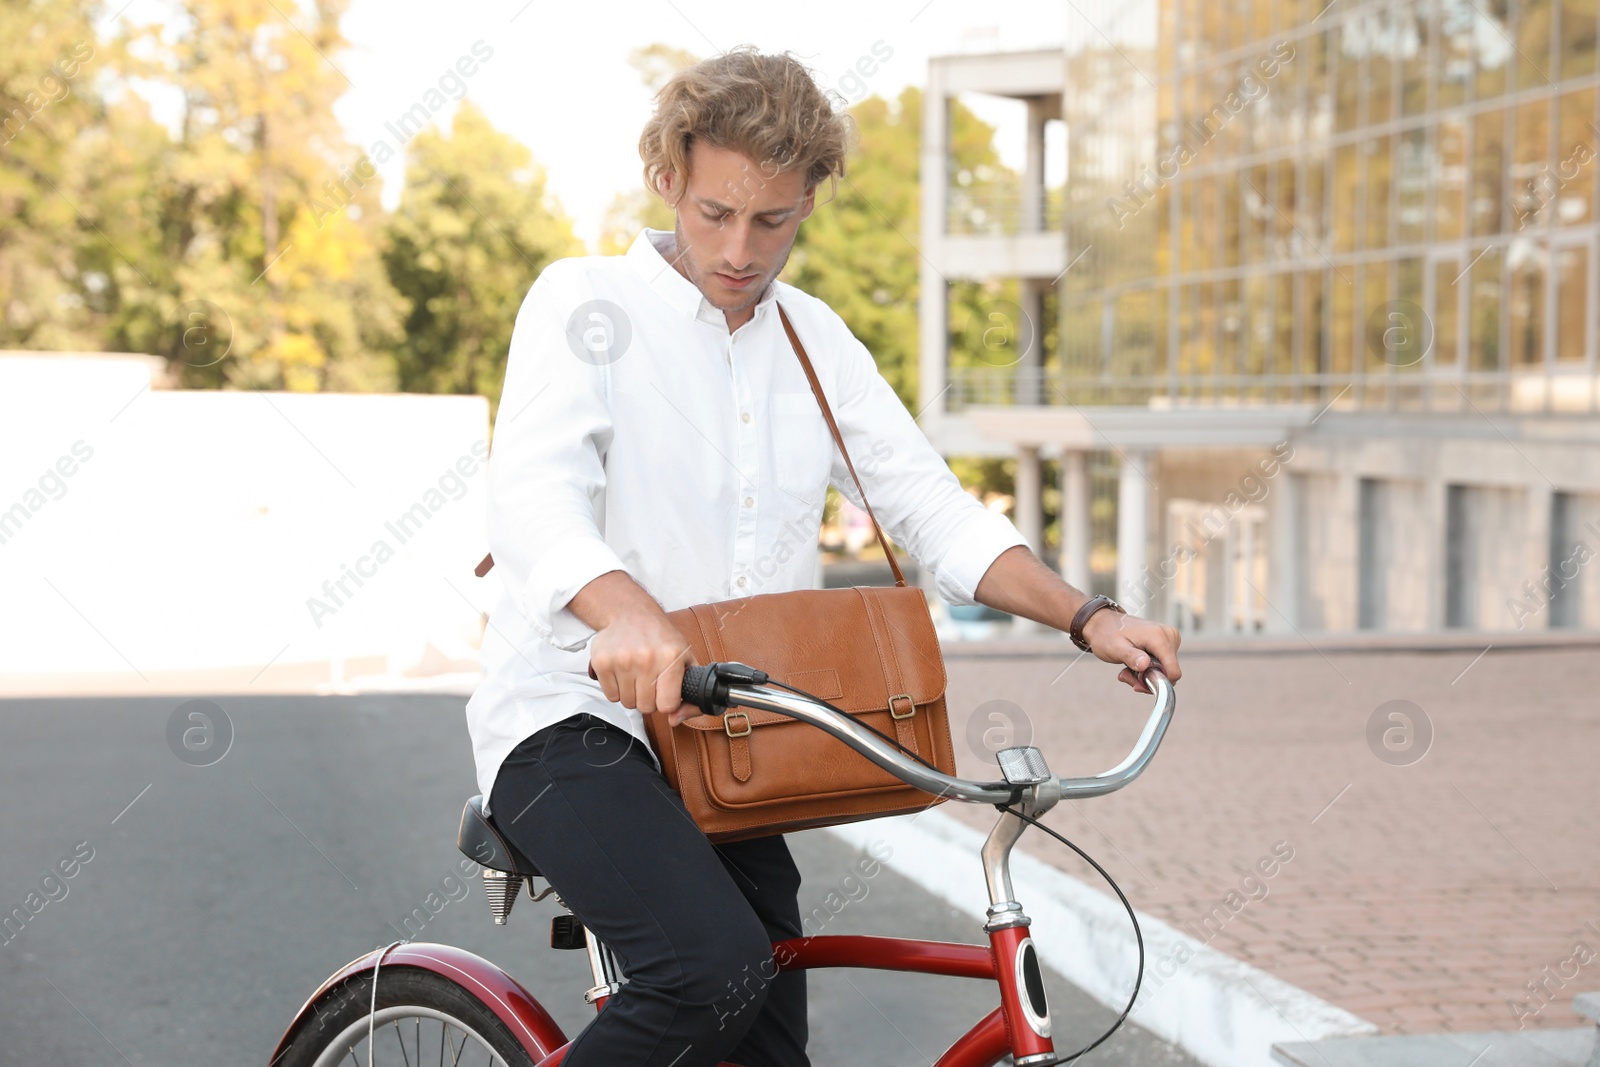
(699, 688)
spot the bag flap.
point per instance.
(867, 644)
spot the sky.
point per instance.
(557, 75)
(558, 78)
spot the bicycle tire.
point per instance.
(415, 1009)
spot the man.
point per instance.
(657, 446)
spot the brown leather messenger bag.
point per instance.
(870, 651)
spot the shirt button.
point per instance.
(743, 581)
(744, 416)
(749, 501)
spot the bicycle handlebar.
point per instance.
(718, 686)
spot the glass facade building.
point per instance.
(1324, 283)
(1383, 204)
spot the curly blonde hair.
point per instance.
(767, 107)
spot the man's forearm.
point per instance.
(1019, 584)
(610, 597)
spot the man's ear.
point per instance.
(665, 188)
(809, 204)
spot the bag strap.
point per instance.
(827, 413)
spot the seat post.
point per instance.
(603, 964)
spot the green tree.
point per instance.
(474, 228)
(48, 101)
(263, 208)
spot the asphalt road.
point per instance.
(205, 903)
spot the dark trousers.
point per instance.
(692, 924)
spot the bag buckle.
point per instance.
(726, 718)
(911, 706)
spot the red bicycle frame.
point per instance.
(1014, 1027)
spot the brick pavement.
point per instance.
(1439, 895)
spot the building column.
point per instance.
(1028, 514)
(1076, 531)
(1028, 507)
(1284, 549)
(1133, 526)
(1344, 562)
(1033, 169)
(1539, 562)
(1028, 380)
(1028, 387)
(1435, 529)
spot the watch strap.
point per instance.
(1085, 613)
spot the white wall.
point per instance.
(195, 526)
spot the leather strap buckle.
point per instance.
(911, 706)
(726, 718)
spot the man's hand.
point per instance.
(636, 654)
(1133, 642)
(639, 661)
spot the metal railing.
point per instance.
(1003, 211)
(1507, 392)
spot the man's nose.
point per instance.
(736, 248)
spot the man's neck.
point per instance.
(734, 319)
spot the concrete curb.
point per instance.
(1466, 641)
(1220, 1010)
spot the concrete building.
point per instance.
(1324, 283)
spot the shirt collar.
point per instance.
(646, 256)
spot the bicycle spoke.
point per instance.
(353, 1048)
(400, 1039)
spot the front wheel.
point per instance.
(421, 1018)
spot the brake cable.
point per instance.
(372, 1011)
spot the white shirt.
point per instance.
(657, 443)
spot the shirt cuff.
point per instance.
(556, 578)
(979, 543)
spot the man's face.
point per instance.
(737, 221)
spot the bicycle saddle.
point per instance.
(485, 845)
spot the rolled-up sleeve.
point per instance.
(547, 466)
(915, 495)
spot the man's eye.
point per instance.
(772, 224)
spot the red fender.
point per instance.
(502, 994)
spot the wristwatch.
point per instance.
(1081, 619)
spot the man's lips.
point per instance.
(735, 283)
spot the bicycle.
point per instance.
(477, 1013)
